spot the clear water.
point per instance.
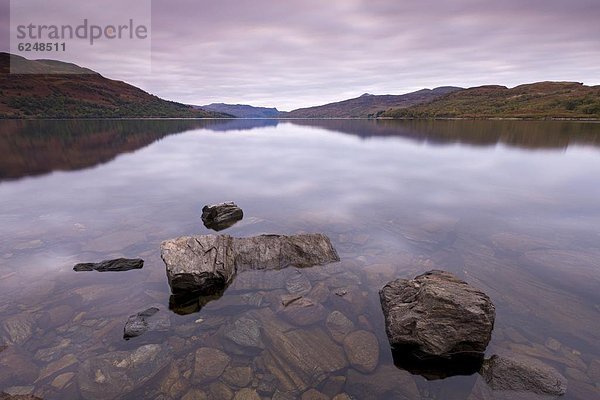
(510, 206)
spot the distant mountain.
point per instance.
(369, 105)
(242, 110)
(535, 100)
(54, 89)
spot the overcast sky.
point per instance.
(294, 53)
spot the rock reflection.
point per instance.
(434, 368)
(190, 303)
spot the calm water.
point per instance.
(510, 206)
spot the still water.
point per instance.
(513, 207)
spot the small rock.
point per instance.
(58, 365)
(304, 312)
(313, 394)
(362, 350)
(339, 326)
(19, 328)
(221, 216)
(195, 394)
(523, 374)
(298, 284)
(287, 299)
(333, 385)
(118, 373)
(219, 390)
(247, 394)
(117, 265)
(210, 364)
(61, 380)
(342, 396)
(438, 314)
(238, 376)
(553, 344)
(245, 332)
(143, 321)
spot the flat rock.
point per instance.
(117, 265)
(118, 373)
(437, 314)
(279, 251)
(362, 350)
(221, 216)
(210, 364)
(301, 359)
(520, 374)
(207, 264)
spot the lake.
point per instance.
(512, 207)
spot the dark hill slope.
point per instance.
(53, 89)
(536, 100)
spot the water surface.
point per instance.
(509, 206)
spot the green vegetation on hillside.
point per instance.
(537, 101)
(50, 92)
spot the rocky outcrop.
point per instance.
(519, 374)
(221, 216)
(117, 265)
(207, 264)
(437, 314)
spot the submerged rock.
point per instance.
(143, 321)
(114, 375)
(362, 350)
(438, 315)
(117, 265)
(207, 264)
(521, 374)
(221, 216)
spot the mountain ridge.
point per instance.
(369, 105)
(242, 110)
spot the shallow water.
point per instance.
(509, 206)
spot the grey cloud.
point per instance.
(297, 53)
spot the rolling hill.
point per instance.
(540, 100)
(369, 105)
(54, 89)
(242, 110)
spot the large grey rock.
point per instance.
(207, 264)
(437, 314)
(221, 216)
(198, 263)
(117, 265)
(519, 374)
